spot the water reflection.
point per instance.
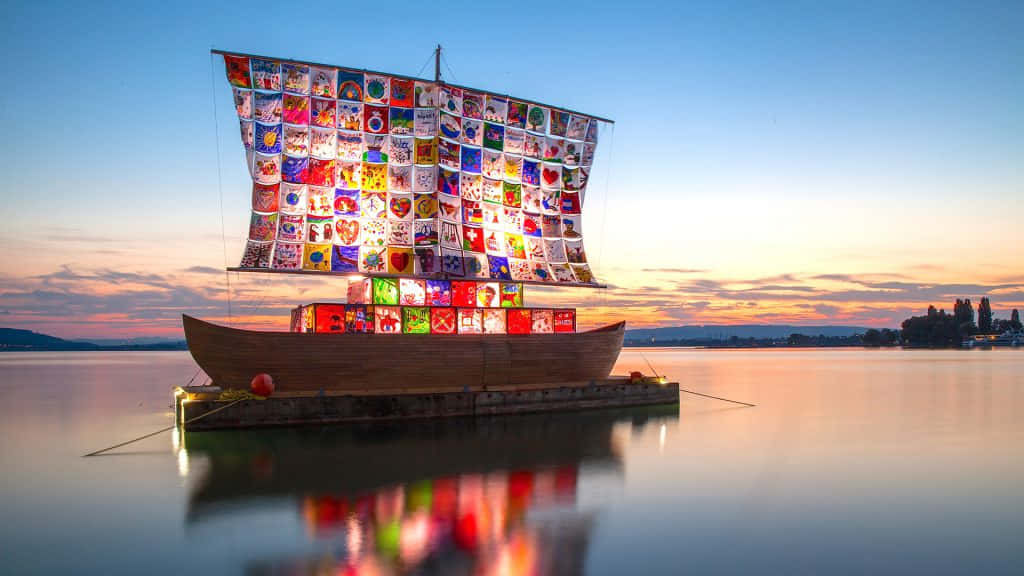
(463, 496)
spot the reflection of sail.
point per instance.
(459, 494)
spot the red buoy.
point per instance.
(262, 385)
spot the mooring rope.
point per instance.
(649, 365)
(162, 430)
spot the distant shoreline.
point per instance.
(169, 347)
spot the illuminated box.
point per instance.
(330, 318)
(511, 295)
(464, 293)
(565, 321)
(488, 295)
(360, 291)
(308, 319)
(412, 292)
(439, 293)
(387, 319)
(494, 321)
(518, 321)
(385, 291)
(471, 321)
(542, 322)
(443, 320)
(359, 319)
(416, 319)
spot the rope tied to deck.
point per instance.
(649, 365)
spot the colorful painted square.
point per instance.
(296, 109)
(296, 77)
(498, 267)
(385, 291)
(387, 319)
(452, 262)
(416, 320)
(464, 293)
(518, 321)
(295, 170)
(317, 257)
(564, 321)
(471, 159)
(542, 322)
(402, 92)
(494, 321)
(346, 202)
(402, 120)
(257, 254)
(268, 138)
(287, 256)
(373, 259)
(494, 136)
(400, 260)
(350, 86)
(378, 88)
(325, 81)
(439, 293)
(330, 318)
(237, 68)
(443, 321)
(471, 321)
(428, 260)
(511, 295)
(472, 105)
(375, 119)
(345, 259)
(267, 107)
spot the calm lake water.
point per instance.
(853, 462)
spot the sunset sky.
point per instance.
(805, 163)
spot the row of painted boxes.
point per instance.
(368, 319)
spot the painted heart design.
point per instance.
(549, 176)
(399, 260)
(400, 207)
(348, 231)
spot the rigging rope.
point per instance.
(424, 67)
(220, 185)
(448, 68)
(604, 212)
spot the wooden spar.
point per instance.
(368, 71)
(437, 64)
(359, 275)
(359, 362)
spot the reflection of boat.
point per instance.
(371, 361)
(440, 495)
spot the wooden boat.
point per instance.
(377, 176)
(367, 362)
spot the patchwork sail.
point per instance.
(358, 172)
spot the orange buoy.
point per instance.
(635, 377)
(262, 385)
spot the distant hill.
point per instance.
(13, 339)
(724, 332)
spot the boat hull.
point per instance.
(414, 362)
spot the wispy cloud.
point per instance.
(78, 302)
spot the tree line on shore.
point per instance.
(940, 329)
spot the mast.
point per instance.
(437, 64)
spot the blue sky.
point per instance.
(752, 140)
